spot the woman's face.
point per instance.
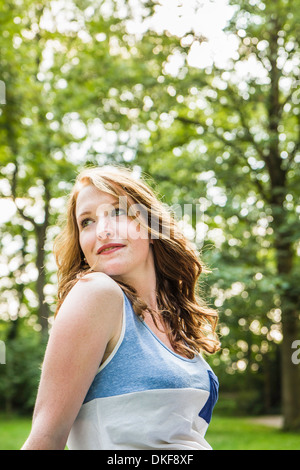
(112, 242)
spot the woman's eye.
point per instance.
(85, 222)
(118, 211)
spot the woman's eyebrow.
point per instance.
(114, 204)
(83, 213)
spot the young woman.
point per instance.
(123, 367)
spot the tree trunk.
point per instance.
(290, 372)
(40, 231)
(40, 283)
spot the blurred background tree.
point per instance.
(105, 81)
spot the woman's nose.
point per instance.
(104, 228)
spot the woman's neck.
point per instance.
(144, 282)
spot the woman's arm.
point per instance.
(89, 319)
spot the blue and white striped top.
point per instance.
(145, 396)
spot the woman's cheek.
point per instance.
(136, 231)
(86, 240)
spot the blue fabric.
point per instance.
(142, 362)
(206, 412)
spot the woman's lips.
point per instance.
(106, 250)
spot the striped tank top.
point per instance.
(145, 396)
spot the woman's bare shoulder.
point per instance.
(99, 283)
(95, 293)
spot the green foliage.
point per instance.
(19, 377)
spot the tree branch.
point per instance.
(236, 148)
(14, 197)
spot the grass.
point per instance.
(242, 434)
(14, 430)
(223, 434)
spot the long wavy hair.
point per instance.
(188, 322)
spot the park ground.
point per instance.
(225, 433)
